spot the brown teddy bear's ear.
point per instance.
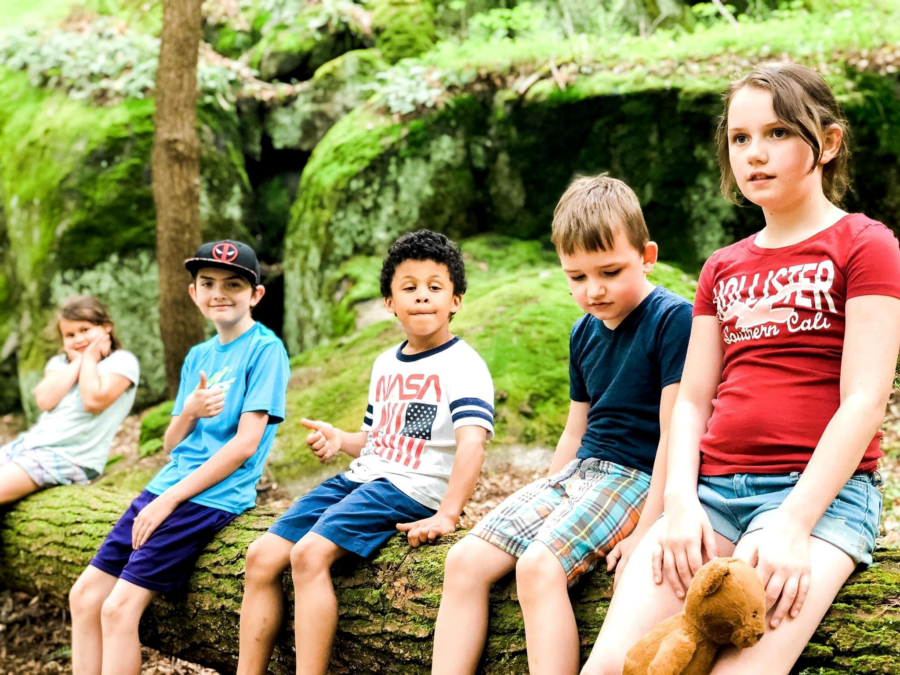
(711, 576)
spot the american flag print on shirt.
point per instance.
(406, 444)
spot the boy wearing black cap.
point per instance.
(230, 400)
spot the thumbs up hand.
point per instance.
(203, 401)
(324, 440)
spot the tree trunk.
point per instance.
(388, 606)
(176, 181)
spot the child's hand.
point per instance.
(679, 553)
(427, 530)
(99, 348)
(150, 517)
(204, 402)
(620, 555)
(780, 553)
(324, 440)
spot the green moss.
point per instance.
(155, 422)
(368, 181)
(403, 28)
(341, 84)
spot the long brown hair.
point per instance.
(805, 104)
(87, 308)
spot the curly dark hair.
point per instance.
(424, 245)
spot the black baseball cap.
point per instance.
(227, 254)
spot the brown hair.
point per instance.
(805, 104)
(86, 308)
(590, 213)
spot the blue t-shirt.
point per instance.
(253, 370)
(622, 373)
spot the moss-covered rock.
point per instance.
(297, 49)
(76, 190)
(403, 28)
(517, 313)
(367, 181)
(339, 86)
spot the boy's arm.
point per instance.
(222, 464)
(653, 507)
(326, 440)
(470, 442)
(202, 402)
(570, 440)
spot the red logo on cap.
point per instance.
(225, 252)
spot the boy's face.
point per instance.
(223, 296)
(422, 297)
(609, 284)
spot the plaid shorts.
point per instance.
(580, 514)
(44, 466)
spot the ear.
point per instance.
(651, 255)
(258, 294)
(192, 291)
(456, 305)
(711, 577)
(389, 305)
(832, 140)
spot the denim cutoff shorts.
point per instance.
(738, 504)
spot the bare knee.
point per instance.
(118, 614)
(308, 560)
(263, 564)
(86, 598)
(462, 570)
(538, 572)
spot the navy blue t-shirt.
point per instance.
(622, 373)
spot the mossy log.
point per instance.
(388, 606)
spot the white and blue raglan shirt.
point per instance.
(416, 403)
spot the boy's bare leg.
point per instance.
(85, 602)
(637, 605)
(776, 653)
(472, 566)
(119, 618)
(550, 630)
(15, 483)
(315, 604)
(262, 609)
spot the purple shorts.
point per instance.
(166, 560)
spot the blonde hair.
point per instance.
(805, 104)
(590, 213)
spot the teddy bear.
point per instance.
(725, 604)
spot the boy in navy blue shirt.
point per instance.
(625, 363)
(230, 400)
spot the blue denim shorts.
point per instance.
(738, 504)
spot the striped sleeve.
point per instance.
(368, 418)
(472, 396)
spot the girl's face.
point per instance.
(769, 161)
(77, 335)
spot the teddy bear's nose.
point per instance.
(759, 636)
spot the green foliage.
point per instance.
(129, 287)
(526, 19)
(403, 28)
(105, 63)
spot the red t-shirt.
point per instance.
(781, 313)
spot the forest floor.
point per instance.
(35, 636)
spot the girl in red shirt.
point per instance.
(773, 444)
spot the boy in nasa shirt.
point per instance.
(417, 459)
